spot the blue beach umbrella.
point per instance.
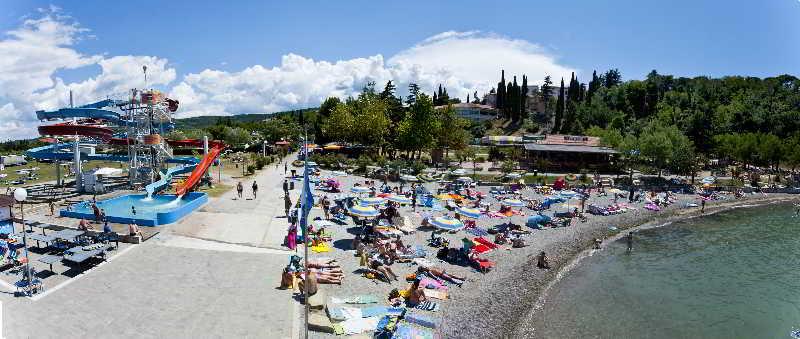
(399, 199)
(363, 211)
(359, 189)
(372, 201)
(473, 213)
(446, 223)
(513, 203)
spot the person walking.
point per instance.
(702, 205)
(239, 189)
(255, 190)
(286, 186)
(287, 202)
(285, 168)
(414, 200)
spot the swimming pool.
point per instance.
(153, 211)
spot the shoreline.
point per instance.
(500, 304)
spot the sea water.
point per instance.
(734, 274)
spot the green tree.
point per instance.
(559, 109)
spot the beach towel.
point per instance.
(432, 284)
(477, 231)
(341, 313)
(358, 299)
(427, 306)
(360, 325)
(435, 294)
(321, 248)
(380, 311)
(421, 320)
(405, 331)
(486, 242)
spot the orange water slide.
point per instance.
(200, 169)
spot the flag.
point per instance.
(307, 199)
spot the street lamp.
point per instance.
(20, 194)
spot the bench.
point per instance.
(50, 260)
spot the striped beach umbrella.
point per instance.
(446, 223)
(513, 203)
(568, 194)
(399, 199)
(359, 189)
(363, 211)
(372, 201)
(473, 213)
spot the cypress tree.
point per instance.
(559, 108)
(593, 85)
(435, 99)
(524, 97)
(501, 91)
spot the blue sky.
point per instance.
(260, 56)
(682, 37)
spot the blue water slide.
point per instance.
(166, 177)
(57, 152)
(87, 111)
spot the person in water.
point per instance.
(629, 241)
(542, 261)
(133, 210)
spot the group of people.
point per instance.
(240, 190)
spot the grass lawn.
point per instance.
(216, 191)
(47, 171)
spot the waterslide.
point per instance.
(95, 110)
(200, 169)
(166, 176)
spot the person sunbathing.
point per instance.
(381, 268)
(441, 274)
(326, 278)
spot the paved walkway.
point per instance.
(214, 274)
(257, 222)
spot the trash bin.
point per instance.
(291, 185)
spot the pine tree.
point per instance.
(413, 93)
(444, 98)
(545, 92)
(559, 109)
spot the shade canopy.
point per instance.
(473, 213)
(372, 201)
(399, 199)
(446, 223)
(363, 211)
(359, 189)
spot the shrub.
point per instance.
(480, 158)
(251, 169)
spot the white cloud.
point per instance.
(464, 62)
(30, 57)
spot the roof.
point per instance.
(569, 149)
(562, 139)
(501, 140)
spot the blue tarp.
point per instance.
(536, 220)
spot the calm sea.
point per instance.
(731, 275)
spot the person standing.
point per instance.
(702, 205)
(629, 241)
(285, 168)
(255, 190)
(630, 196)
(326, 204)
(239, 189)
(286, 186)
(414, 200)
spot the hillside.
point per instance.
(209, 120)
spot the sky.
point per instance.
(264, 56)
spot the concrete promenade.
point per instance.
(212, 275)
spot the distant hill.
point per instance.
(209, 120)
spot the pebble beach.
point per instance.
(499, 302)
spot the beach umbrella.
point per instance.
(446, 223)
(513, 203)
(615, 191)
(472, 213)
(459, 171)
(359, 189)
(399, 199)
(363, 211)
(372, 201)
(323, 223)
(445, 196)
(568, 194)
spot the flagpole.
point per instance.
(304, 225)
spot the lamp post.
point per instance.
(20, 194)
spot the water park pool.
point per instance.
(153, 211)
